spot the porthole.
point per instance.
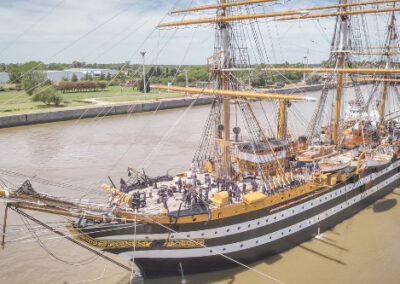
(292, 211)
(282, 233)
(216, 232)
(299, 226)
(211, 251)
(188, 236)
(270, 237)
(238, 228)
(256, 242)
(275, 217)
(248, 226)
(302, 207)
(258, 223)
(202, 234)
(227, 230)
(312, 204)
(241, 246)
(224, 249)
(282, 215)
(266, 221)
(290, 230)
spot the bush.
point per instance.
(48, 95)
(80, 86)
(32, 80)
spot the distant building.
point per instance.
(57, 75)
(79, 72)
(200, 84)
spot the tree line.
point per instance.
(80, 86)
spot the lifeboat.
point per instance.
(380, 157)
(336, 163)
(317, 152)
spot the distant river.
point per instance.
(3, 77)
(362, 249)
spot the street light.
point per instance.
(143, 53)
(305, 65)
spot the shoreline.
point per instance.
(24, 119)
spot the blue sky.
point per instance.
(114, 31)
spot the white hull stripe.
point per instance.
(251, 243)
(259, 222)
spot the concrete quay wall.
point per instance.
(70, 114)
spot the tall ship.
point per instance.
(250, 194)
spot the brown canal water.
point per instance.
(362, 249)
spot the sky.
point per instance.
(105, 31)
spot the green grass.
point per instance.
(16, 102)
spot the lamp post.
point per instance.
(305, 66)
(143, 53)
(186, 80)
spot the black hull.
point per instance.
(255, 235)
(154, 267)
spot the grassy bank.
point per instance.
(17, 102)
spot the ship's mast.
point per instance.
(282, 119)
(342, 49)
(391, 36)
(224, 30)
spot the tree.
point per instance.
(147, 85)
(48, 95)
(102, 76)
(172, 72)
(33, 80)
(14, 73)
(108, 77)
(74, 78)
(158, 72)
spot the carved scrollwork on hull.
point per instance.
(184, 243)
(108, 244)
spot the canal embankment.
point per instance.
(98, 111)
(124, 108)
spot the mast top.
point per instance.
(303, 13)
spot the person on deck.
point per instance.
(237, 190)
(180, 183)
(253, 186)
(244, 189)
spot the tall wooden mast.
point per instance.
(224, 30)
(282, 119)
(342, 49)
(391, 36)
